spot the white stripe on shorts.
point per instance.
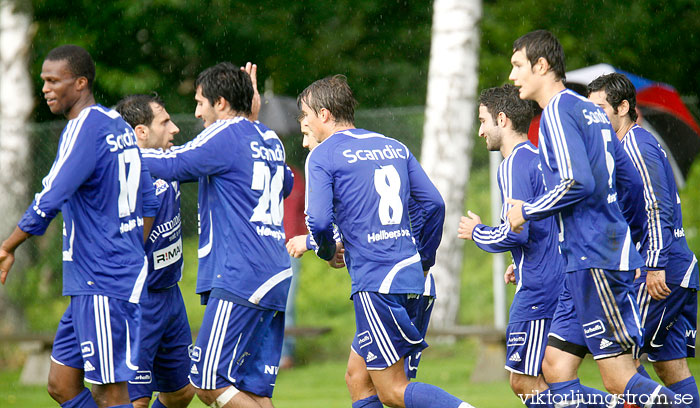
(215, 343)
(383, 340)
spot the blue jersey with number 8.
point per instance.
(362, 181)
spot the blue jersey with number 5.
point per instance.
(99, 184)
(580, 157)
(242, 180)
(362, 181)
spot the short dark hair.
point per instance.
(617, 88)
(543, 44)
(506, 99)
(136, 109)
(332, 93)
(225, 80)
(79, 61)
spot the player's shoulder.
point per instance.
(641, 135)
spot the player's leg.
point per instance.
(65, 383)
(171, 361)
(362, 391)
(609, 317)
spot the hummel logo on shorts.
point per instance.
(605, 343)
(371, 356)
(515, 357)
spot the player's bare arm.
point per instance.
(467, 225)
(656, 284)
(7, 251)
(296, 246)
(515, 215)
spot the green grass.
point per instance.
(321, 384)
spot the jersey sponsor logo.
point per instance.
(165, 229)
(364, 339)
(87, 349)
(515, 357)
(265, 153)
(690, 334)
(388, 152)
(382, 235)
(130, 225)
(612, 198)
(605, 343)
(120, 142)
(371, 357)
(679, 233)
(593, 328)
(87, 366)
(596, 116)
(265, 231)
(142, 377)
(516, 339)
(195, 352)
(271, 370)
(168, 255)
(161, 186)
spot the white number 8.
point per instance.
(387, 182)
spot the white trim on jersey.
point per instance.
(140, 282)
(386, 348)
(128, 348)
(389, 278)
(103, 331)
(68, 255)
(625, 254)
(69, 137)
(656, 242)
(273, 281)
(556, 129)
(611, 309)
(427, 288)
(689, 273)
(201, 139)
(215, 344)
(206, 249)
(520, 271)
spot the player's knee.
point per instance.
(142, 402)
(60, 391)
(392, 397)
(614, 383)
(521, 384)
(672, 371)
(177, 399)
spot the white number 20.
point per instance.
(128, 183)
(387, 182)
(269, 209)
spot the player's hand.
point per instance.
(252, 70)
(509, 276)
(656, 284)
(296, 246)
(467, 225)
(338, 260)
(637, 273)
(6, 261)
(515, 215)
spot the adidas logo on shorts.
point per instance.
(88, 366)
(605, 343)
(515, 357)
(194, 370)
(371, 356)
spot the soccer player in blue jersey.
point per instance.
(165, 332)
(104, 192)
(361, 181)
(505, 119)
(579, 156)
(243, 262)
(667, 288)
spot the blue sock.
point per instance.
(639, 389)
(542, 399)
(82, 400)
(643, 372)
(369, 402)
(158, 404)
(421, 395)
(566, 393)
(687, 387)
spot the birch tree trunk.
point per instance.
(447, 139)
(16, 104)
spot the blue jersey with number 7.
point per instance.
(99, 184)
(581, 158)
(242, 180)
(362, 181)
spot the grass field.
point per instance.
(321, 384)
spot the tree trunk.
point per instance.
(447, 139)
(16, 104)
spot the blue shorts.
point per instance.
(669, 325)
(596, 313)
(237, 345)
(99, 335)
(390, 327)
(525, 346)
(164, 361)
